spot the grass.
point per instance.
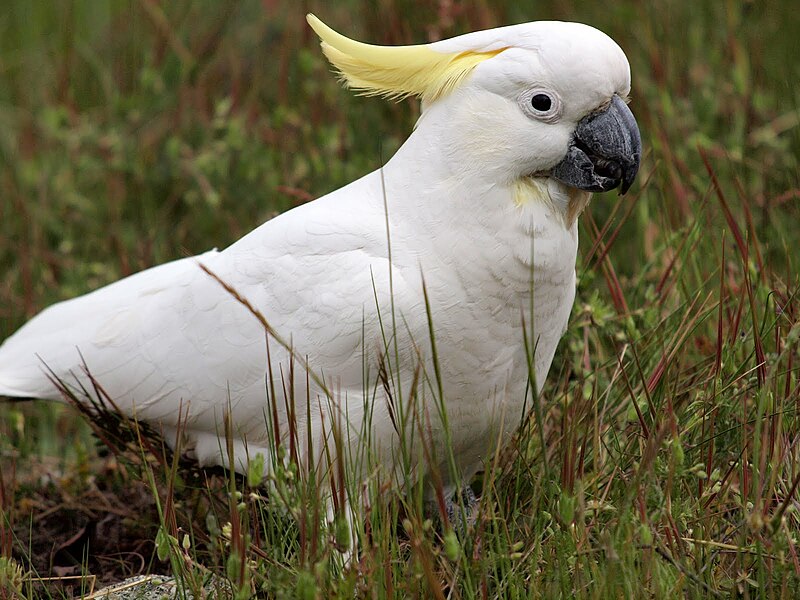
(664, 462)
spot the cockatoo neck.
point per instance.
(434, 166)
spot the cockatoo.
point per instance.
(424, 300)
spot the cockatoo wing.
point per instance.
(172, 334)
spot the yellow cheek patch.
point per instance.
(396, 72)
(530, 189)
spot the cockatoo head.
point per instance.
(544, 99)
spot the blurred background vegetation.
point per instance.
(133, 132)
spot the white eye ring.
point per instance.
(540, 104)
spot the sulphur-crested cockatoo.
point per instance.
(395, 308)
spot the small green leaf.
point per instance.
(162, 544)
(645, 534)
(342, 532)
(452, 548)
(566, 508)
(255, 470)
(233, 566)
(306, 588)
(677, 451)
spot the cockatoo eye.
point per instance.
(542, 105)
(541, 102)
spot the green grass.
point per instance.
(666, 459)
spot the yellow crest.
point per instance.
(396, 72)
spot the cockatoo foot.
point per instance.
(461, 510)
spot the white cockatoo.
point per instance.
(400, 305)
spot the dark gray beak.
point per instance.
(605, 151)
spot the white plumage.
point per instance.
(468, 205)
